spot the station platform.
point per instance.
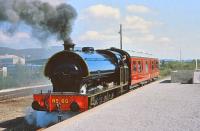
(154, 107)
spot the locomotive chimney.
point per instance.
(68, 45)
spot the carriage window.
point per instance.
(147, 67)
(157, 65)
(152, 64)
(134, 66)
(139, 66)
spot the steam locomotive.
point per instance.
(85, 78)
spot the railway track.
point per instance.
(19, 99)
(23, 92)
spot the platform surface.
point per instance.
(160, 106)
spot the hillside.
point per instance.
(31, 53)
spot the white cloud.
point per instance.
(97, 36)
(147, 38)
(99, 39)
(138, 9)
(19, 40)
(103, 32)
(136, 30)
(137, 23)
(104, 17)
(102, 11)
(22, 40)
(142, 38)
(106, 37)
(99, 28)
(4, 38)
(22, 35)
(164, 40)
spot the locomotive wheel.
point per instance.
(74, 107)
(96, 102)
(111, 96)
(35, 105)
(106, 98)
(100, 99)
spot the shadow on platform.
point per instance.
(165, 81)
(17, 124)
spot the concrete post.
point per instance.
(5, 72)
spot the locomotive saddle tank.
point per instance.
(81, 70)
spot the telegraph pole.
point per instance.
(196, 64)
(120, 33)
(180, 55)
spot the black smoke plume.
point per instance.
(44, 19)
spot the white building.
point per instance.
(11, 59)
(3, 71)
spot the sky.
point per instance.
(160, 27)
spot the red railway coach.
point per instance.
(144, 68)
(86, 78)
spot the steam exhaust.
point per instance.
(44, 19)
(44, 119)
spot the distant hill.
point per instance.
(5, 50)
(168, 60)
(174, 60)
(31, 53)
(40, 53)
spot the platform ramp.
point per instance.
(182, 76)
(196, 78)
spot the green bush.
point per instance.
(167, 67)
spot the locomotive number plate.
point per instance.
(62, 101)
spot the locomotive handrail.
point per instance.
(95, 59)
(109, 89)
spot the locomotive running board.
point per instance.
(109, 89)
